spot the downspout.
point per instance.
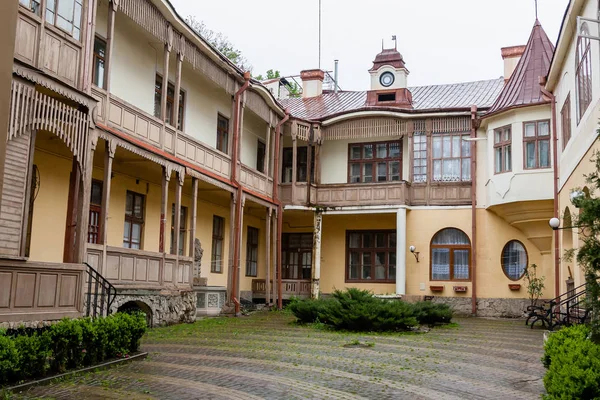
(474, 126)
(279, 205)
(238, 203)
(552, 99)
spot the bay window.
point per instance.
(451, 157)
(66, 15)
(502, 150)
(419, 158)
(536, 138)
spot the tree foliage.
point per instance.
(588, 254)
(220, 42)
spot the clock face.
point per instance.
(386, 79)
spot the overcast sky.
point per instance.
(442, 41)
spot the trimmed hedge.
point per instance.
(573, 363)
(71, 343)
(358, 310)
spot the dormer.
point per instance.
(389, 81)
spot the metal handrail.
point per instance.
(102, 290)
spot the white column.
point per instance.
(316, 268)
(401, 251)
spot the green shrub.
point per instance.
(428, 313)
(573, 363)
(70, 343)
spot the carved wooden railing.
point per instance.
(299, 195)
(256, 181)
(353, 194)
(290, 287)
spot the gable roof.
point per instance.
(523, 87)
(456, 96)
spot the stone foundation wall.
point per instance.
(167, 306)
(486, 307)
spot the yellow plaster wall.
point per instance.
(50, 207)
(261, 271)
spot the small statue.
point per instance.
(198, 252)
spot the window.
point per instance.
(371, 256)
(296, 255)
(386, 97)
(170, 102)
(261, 150)
(66, 15)
(301, 165)
(565, 117)
(536, 137)
(31, 5)
(99, 62)
(95, 219)
(419, 157)
(450, 256)
(502, 150)
(514, 260)
(375, 162)
(134, 220)
(182, 229)
(222, 133)
(251, 251)
(451, 158)
(583, 73)
(218, 234)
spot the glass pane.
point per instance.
(392, 265)
(498, 159)
(50, 5)
(366, 266)
(136, 233)
(447, 146)
(381, 150)
(514, 260)
(456, 146)
(354, 173)
(466, 169)
(355, 152)
(64, 24)
(394, 170)
(451, 236)
(294, 241)
(129, 204)
(395, 150)
(96, 197)
(437, 170)
(437, 147)
(530, 154)
(368, 151)
(506, 137)
(461, 264)
(381, 172)
(543, 128)
(354, 240)
(380, 265)
(380, 240)
(49, 17)
(508, 158)
(440, 264)
(530, 130)
(138, 210)
(76, 33)
(65, 9)
(497, 137)
(392, 240)
(367, 172)
(367, 240)
(126, 231)
(466, 147)
(99, 77)
(77, 16)
(544, 153)
(306, 241)
(354, 265)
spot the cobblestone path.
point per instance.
(265, 356)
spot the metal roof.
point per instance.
(425, 98)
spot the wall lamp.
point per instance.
(415, 253)
(555, 224)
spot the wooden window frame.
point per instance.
(502, 144)
(170, 101)
(217, 237)
(565, 117)
(372, 250)
(182, 229)
(451, 248)
(462, 157)
(29, 7)
(583, 73)
(135, 220)
(94, 236)
(422, 147)
(222, 134)
(537, 138)
(374, 161)
(287, 160)
(287, 250)
(502, 256)
(55, 16)
(98, 57)
(252, 241)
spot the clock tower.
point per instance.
(389, 81)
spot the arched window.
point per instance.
(450, 256)
(514, 260)
(583, 72)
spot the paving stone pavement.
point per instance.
(266, 356)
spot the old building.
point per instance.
(143, 169)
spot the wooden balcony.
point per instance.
(141, 269)
(361, 194)
(36, 291)
(298, 194)
(256, 181)
(290, 288)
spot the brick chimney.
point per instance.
(312, 82)
(511, 56)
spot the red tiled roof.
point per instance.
(388, 57)
(523, 87)
(425, 98)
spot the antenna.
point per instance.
(320, 34)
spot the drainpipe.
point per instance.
(238, 204)
(474, 126)
(552, 99)
(279, 205)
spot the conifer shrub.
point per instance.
(573, 363)
(359, 310)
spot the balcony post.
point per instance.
(165, 79)
(110, 34)
(267, 160)
(275, 258)
(194, 217)
(176, 100)
(85, 193)
(268, 255)
(316, 261)
(401, 251)
(232, 230)
(166, 177)
(177, 216)
(294, 165)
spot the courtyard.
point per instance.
(268, 356)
